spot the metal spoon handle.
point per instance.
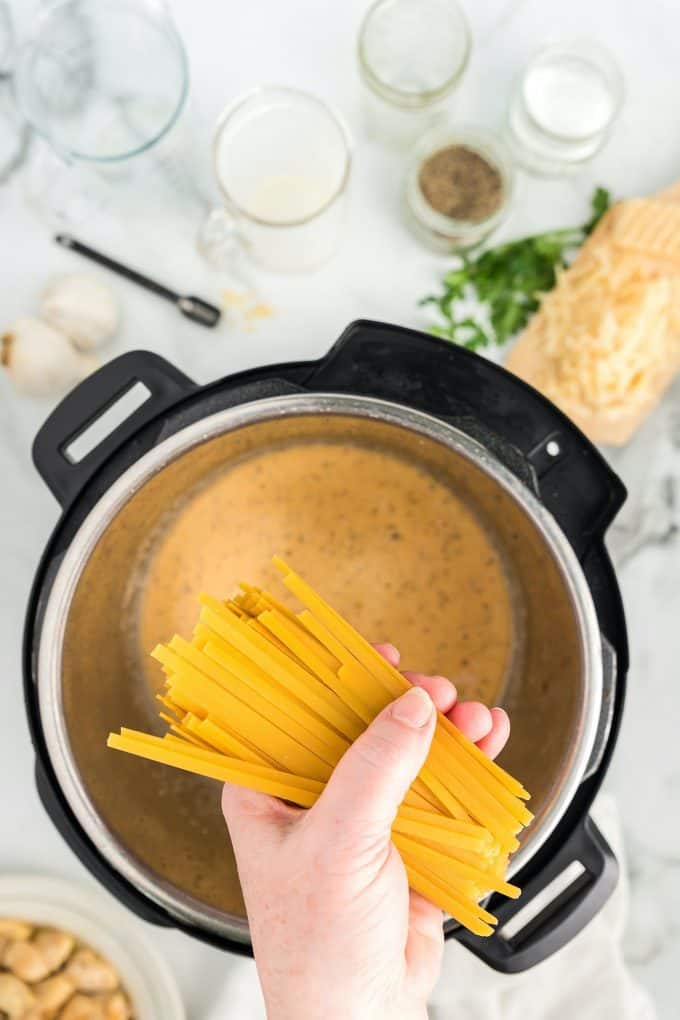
(66, 241)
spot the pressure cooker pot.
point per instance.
(520, 469)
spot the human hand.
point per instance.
(336, 931)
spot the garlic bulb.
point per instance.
(81, 307)
(40, 360)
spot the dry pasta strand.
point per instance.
(270, 699)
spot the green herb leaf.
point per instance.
(508, 282)
(600, 202)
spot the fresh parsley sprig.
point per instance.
(507, 282)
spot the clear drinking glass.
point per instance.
(103, 82)
(563, 106)
(282, 160)
(412, 55)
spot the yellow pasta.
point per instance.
(226, 770)
(464, 911)
(441, 839)
(382, 670)
(270, 699)
(279, 667)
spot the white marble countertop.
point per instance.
(380, 273)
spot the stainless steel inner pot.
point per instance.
(155, 825)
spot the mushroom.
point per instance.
(55, 947)
(16, 998)
(25, 961)
(40, 360)
(15, 931)
(90, 973)
(83, 1007)
(117, 1007)
(83, 308)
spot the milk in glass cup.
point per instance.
(282, 160)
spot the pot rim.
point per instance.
(51, 637)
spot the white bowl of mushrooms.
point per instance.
(60, 958)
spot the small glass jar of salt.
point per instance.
(412, 55)
(563, 106)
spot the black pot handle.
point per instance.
(84, 405)
(91, 859)
(512, 951)
(511, 419)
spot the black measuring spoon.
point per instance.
(191, 307)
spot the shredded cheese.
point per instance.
(605, 342)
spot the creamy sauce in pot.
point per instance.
(391, 547)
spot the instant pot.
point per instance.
(541, 488)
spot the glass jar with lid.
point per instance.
(412, 55)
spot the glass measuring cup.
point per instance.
(282, 161)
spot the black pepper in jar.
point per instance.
(461, 183)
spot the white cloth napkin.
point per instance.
(587, 980)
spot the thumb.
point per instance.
(372, 778)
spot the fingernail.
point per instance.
(389, 651)
(413, 709)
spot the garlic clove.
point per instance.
(83, 1007)
(15, 931)
(39, 360)
(117, 1007)
(25, 961)
(83, 308)
(55, 947)
(90, 973)
(50, 996)
(15, 997)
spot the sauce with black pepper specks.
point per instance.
(388, 545)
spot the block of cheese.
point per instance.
(605, 343)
